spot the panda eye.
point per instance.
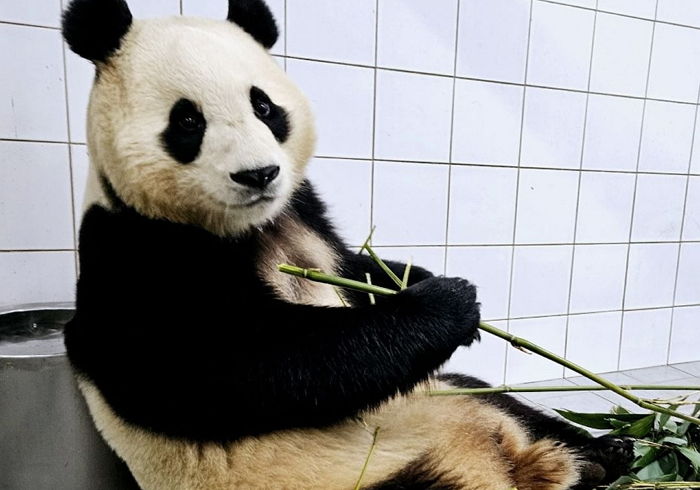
(189, 123)
(262, 109)
(270, 114)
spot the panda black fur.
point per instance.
(205, 368)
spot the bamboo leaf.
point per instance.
(639, 428)
(676, 441)
(647, 458)
(692, 456)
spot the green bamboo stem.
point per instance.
(526, 344)
(382, 265)
(406, 273)
(318, 276)
(369, 455)
(517, 342)
(546, 389)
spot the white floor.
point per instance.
(686, 374)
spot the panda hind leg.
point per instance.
(603, 459)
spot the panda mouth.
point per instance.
(257, 200)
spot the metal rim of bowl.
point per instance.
(29, 307)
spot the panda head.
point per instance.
(191, 120)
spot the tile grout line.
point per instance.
(517, 189)
(680, 236)
(484, 80)
(578, 184)
(286, 29)
(488, 165)
(452, 129)
(621, 14)
(374, 116)
(70, 157)
(634, 193)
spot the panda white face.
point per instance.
(191, 120)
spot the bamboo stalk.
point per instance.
(341, 282)
(526, 344)
(369, 455)
(546, 389)
(517, 342)
(382, 265)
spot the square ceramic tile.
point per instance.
(486, 360)
(32, 92)
(540, 280)
(598, 281)
(80, 74)
(553, 128)
(215, 9)
(346, 187)
(604, 207)
(695, 157)
(616, 377)
(645, 339)
(658, 208)
(685, 335)
(486, 122)
(613, 128)
(560, 46)
(489, 269)
(36, 277)
(154, 8)
(580, 3)
(688, 287)
(579, 402)
(636, 8)
(493, 39)
(430, 258)
(342, 100)
(338, 31)
(549, 333)
(692, 368)
(37, 12)
(621, 55)
(417, 35)
(691, 224)
(482, 205)
(657, 374)
(79, 166)
(685, 12)
(410, 203)
(413, 117)
(675, 63)
(593, 340)
(667, 137)
(546, 206)
(651, 275)
(35, 208)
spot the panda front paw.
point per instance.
(614, 454)
(449, 303)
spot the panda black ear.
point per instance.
(94, 28)
(254, 17)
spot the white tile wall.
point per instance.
(542, 149)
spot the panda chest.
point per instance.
(295, 244)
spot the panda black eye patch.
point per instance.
(182, 139)
(272, 115)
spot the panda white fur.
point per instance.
(205, 368)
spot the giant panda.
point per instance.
(203, 367)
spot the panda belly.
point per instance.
(457, 441)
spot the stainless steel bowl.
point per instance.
(47, 439)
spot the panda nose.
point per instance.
(258, 178)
